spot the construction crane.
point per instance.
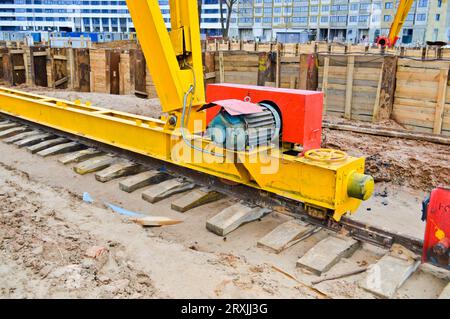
(400, 17)
(265, 138)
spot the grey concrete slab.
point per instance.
(195, 198)
(141, 180)
(8, 125)
(46, 144)
(33, 140)
(94, 164)
(285, 235)
(21, 136)
(387, 275)
(326, 253)
(13, 131)
(233, 217)
(79, 156)
(166, 189)
(61, 149)
(117, 170)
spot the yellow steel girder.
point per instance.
(335, 186)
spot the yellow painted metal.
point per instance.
(172, 58)
(400, 17)
(313, 182)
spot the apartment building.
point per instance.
(265, 20)
(345, 20)
(87, 16)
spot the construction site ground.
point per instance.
(41, 207)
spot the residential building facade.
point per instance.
(263, 20)
(87, 16)
(345, 20)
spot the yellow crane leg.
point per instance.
(325, 187)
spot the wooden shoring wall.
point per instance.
(237, 67)
(99, 75)
(38, 69)
(422, 96)
(57, 68)
(81, 78)
(15, 66)
(352, 85)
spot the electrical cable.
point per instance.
(191, 92)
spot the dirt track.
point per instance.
(46, 233)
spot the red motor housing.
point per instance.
(436, 246)
(300, 110)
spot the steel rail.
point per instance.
(360, 231)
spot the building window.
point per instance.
(423, 3)
(388, 5)
(353, 18)
(325, 8)
(421, 17)
(363, 18)
(387, 18)
(438, 17)
(364, 6)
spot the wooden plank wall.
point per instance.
(289, 72)
(38, 66)
(356, 85)
(351, 85)
(422, 96)
(99, 75)
(237, 67)
(81, 78)
(57, 68)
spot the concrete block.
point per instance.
(327, 253)
(166, 189)
(13, 131)
(46, 144)
(61, 149)
(141, 180)
(8, 125)
(195, 198)
(387, 275)
(94, 164)
(33, 140)
(79, 156)
(233, 217)
(445, 294)
(21, 136)
(285, 235)
(117, 170)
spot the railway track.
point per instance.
(401, 251)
